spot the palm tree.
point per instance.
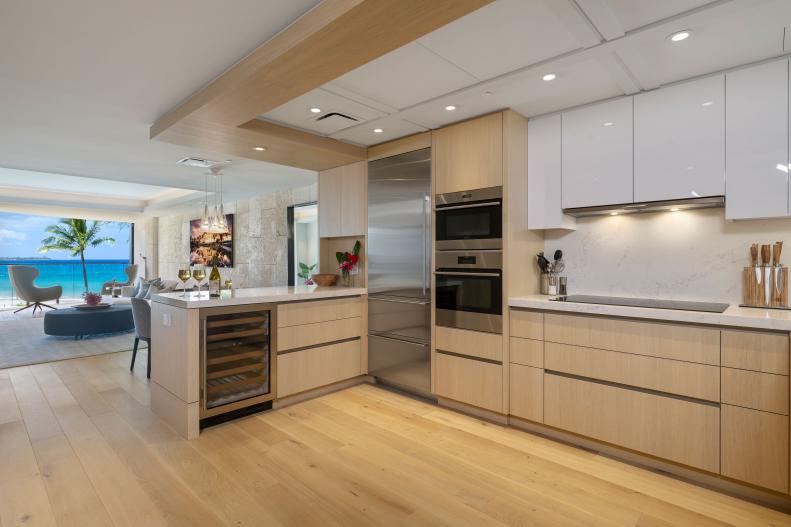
(75, 236)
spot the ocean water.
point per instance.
(66, 273)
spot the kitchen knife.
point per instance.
(765, 254)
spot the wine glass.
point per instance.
(199, 273)
(184, 276)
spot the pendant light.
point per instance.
(204, 224)
(217, 223)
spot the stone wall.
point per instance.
(260, 238)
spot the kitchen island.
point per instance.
(215, 358)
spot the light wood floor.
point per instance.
(79, 446)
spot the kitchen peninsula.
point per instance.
(215, 358)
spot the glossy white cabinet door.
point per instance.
(757, 142)
(679, 141)
(544, 208)
(597, 155)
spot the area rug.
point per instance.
(23, 342)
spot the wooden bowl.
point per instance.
(325, 280)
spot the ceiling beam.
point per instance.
(330, 40)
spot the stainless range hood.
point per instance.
(650, 206)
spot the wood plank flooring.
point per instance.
(79, 446)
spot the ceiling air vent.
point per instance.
(334, 116)
(201, 163)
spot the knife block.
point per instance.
(765, 286)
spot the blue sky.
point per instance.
(21, 235)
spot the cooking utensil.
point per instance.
(754, 254)
(765, 254)
(777, 249)
(543, 263)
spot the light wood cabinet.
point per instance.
(527, 352)
(755, 447)
(678, 430)
(655, 339)
(303, 370)
(756, 351)
(526, 324)
(752, 389)
(526, 387)
(471, 343)
(468, 155)
(699, 381)
(470, 381)
(313, 334)
(299, 313)
(342, 201)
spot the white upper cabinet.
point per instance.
(544, 209)
(597, 155)
(757, 142)
(679, 141)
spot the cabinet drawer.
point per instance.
(755, 447)
(752, 389)
(471, 343)
(318, 311)
(526, 392)
(755, 350)
(315, 367)
(700, 381)
(527, 352)
(319, 333)
(655, 339)
(681, 431)
(527, 324)
(474, 382)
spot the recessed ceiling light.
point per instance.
(678, 36)
(260, 148)
(487, 94)
(450, 107)
(315, 110)
(608, 123)
(707, 103)
(549, 77)
(675, 209)
(613, 214)
(378, 130)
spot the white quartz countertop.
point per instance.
(257, 295)
(735, 316)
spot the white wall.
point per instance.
(260, 238)
(689, 255)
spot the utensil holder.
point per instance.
(549, 284)
(765, 286)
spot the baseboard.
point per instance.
(324, 390)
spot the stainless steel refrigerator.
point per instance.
(399, 267)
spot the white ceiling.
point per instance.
(81, 82)
(495, 57)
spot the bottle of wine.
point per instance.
(214, 279)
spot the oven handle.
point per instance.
(449, 273)
(440, 208)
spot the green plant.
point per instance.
(74, 236)
(305, 271)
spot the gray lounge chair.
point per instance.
(141, 313)
(131, 275)
(22, 278)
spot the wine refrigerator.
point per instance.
(238, 366)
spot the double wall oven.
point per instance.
(469, 260)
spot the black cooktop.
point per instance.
(681, 305)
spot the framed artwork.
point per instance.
(204, 245)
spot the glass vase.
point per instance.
(346, 278)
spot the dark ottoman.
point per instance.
(76, 323)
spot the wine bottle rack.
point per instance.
(237, 358)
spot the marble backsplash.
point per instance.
(684, 255)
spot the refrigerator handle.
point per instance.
(426, 226)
